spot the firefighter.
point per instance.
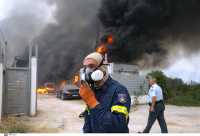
(107, 106)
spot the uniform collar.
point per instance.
(106, 85)
(154, 84)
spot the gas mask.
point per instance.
(91, 76)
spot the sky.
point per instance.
(186, 68)
(43, 12)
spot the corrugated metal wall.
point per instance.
(16, 91)
(133, 83)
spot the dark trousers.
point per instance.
(159, 115)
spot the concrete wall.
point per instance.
(141, 99)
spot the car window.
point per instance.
(50, 86)
(71, 87)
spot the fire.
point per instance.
(102, 48)
(47, 88)
(75, 79)
(17, 81)
(110, 40)
(63, 83)
(42, 91)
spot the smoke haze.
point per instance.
(148, 32)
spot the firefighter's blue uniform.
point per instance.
(112, 114)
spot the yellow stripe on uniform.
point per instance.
(86, 109)
(120, 109)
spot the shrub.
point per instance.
(187, 96)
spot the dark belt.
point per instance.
(161, 101)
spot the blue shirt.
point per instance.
(155, 90)
(112, 114)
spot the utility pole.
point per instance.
(97, 37)
(4, 50)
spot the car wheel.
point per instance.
(56, 95)
(62, 97)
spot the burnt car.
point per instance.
(68, 91)
(49, 87)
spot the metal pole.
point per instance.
(5, 52)
(36, 51)
(106, 62)
(36, 55)
(106, 58)
(97, 36)
(29, 82)
(30, 54)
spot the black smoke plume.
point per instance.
(145, 31)
(64, 45)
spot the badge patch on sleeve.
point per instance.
(151, 90)
(122, 98)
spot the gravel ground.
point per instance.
(62, 116)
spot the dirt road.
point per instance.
(62, 116)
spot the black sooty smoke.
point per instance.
(146, 31)
(63, 45)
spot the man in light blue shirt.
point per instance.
(157, 107)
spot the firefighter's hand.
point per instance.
(88, 95)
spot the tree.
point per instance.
(174, 81)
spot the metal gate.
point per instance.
(16, 90)
(17, 87)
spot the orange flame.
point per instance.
(102, 48)
(75, 79)
(17, 81)
(63, 83)
(110, 40)
(42, 91)
(47, 88)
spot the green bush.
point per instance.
(185, 101)
(187, 95)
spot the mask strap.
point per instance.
(101, 63)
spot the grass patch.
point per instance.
(14, 124)
(10, 124)
(183, 95)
